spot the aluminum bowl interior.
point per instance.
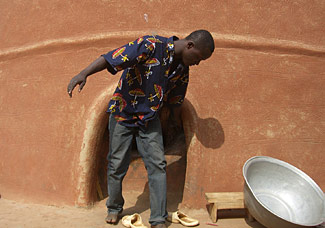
(285, 191)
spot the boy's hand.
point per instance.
(96, 66)
(77, 80)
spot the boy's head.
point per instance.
(199, 46)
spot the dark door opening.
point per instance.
(136, 178)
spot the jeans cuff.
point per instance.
(156, 223)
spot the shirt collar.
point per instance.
(170, 43)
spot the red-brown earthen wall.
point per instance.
(261, 93)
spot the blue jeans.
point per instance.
(150, 146)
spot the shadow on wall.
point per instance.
(208, 132)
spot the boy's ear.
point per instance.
(190, 44)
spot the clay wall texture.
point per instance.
(261, 93)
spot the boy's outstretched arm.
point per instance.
(81, 78)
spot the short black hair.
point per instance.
(202, 39)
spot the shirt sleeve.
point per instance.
(130, 54)
(177, 94)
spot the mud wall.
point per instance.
(261, 93)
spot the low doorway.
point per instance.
(136, 178)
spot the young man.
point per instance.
(156, 72)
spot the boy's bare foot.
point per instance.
(111, 218)
(161, 225)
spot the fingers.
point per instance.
(81, 85)
(77, 80)
(70, 88)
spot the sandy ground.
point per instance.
(22, 215)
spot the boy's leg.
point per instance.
(120, 140)
(151, 148)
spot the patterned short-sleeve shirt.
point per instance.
(146, 81)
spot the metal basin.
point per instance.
(278, 195)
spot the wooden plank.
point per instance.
(213, 197)
(213, 212)
(223, 200)
(230, 205)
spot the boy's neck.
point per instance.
(179, 46)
